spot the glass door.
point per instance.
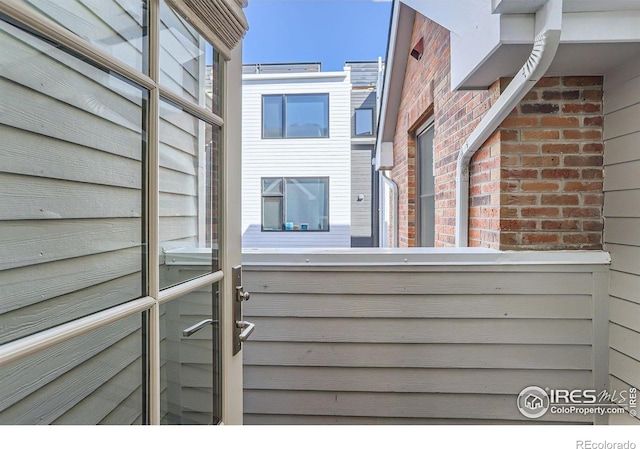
(119, 153)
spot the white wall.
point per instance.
(622, 225)
(324, 157)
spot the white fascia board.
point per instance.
(577, 27)
(395, 67)
(294, 76)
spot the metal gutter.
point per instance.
(548, 27)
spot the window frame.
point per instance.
(283, 195)
(355, 122)
(421, 239)
(283, 130)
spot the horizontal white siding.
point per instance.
(322, 157)
(417, 343)
(622, 222)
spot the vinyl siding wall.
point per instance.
(361, 172)
(418, 338)
(622, 225)
(321, 157)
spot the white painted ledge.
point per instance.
(417, 257)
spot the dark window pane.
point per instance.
(307, 115)
(364, 122)
(426, 189)
(272, 186)
(272, 116)
(272, 213)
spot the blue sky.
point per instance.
(326, 31)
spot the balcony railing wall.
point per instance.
(415, 337)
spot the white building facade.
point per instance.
(296, 161)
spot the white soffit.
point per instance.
(593, 42)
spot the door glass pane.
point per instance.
(189, 195)
(96, 378)
(190, 365)
(71, 165)
(307, 115)
(117, 27)
(189, 65)
(307, 204)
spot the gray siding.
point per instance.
(361, 184)
(389, 344)
(622, 225)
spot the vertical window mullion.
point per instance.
(152, 212)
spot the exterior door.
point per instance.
(119, 216)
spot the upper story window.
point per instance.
(295, 116)
(363, 122)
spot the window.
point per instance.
(364, 122)
(295, 116)
(426, 189)
(295, 204)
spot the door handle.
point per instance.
(248, 329)
(188, 332)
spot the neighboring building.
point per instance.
(492, 144)
(365, 78)
(308, 139)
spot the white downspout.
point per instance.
(548, 27)
(394, 209)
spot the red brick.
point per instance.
(518, 121)
(539, 108)
(577, 108)
(560, 148)
(581, 212)
(576, 134)
(540, 212)
(562, 122)
(540, 161)
(548, 82)
(560, 225)
(539, 186)
(539, 238)
(560, 173)
(540, 134)
(564, 200)
(582, 161)
(580, 81)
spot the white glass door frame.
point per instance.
(230, 227)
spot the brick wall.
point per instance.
(551, 167)
(535, 184)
